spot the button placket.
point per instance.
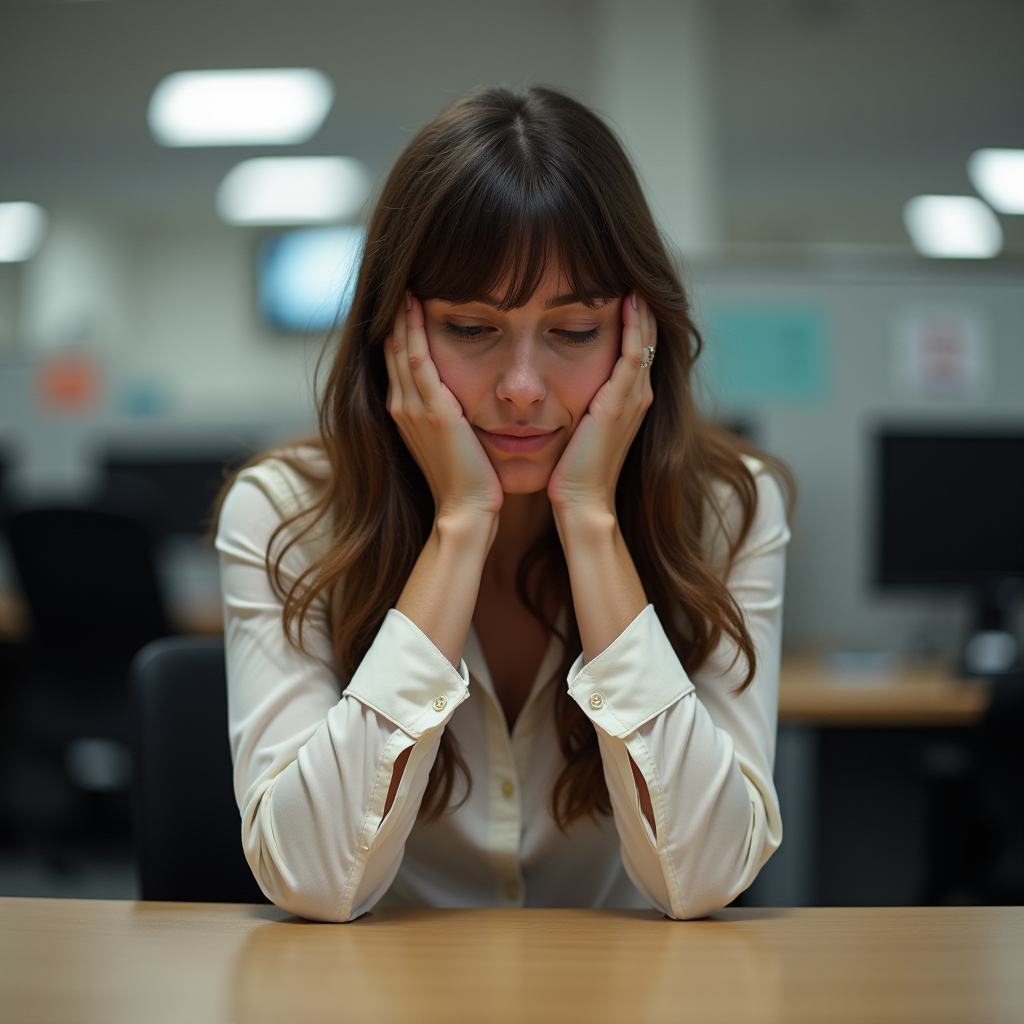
(504, 811)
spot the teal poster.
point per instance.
(767, 355)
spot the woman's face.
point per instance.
(525, 377)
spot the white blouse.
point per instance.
(313, 758)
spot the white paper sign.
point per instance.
(941, 353)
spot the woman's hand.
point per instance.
(606, 590)
(433, 425)
(585, 478)
(440, 594)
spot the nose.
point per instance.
(522, 383)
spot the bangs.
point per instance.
(507, 218)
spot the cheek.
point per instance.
(586, 379)
(467, 379)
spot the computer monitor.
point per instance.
(951, 515)
(180, 492)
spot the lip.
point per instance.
(518, 441)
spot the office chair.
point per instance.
(91, 587)
(187, 828)
(976, 848)
(1000, 792)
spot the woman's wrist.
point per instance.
(465, 532)
(464, 524)
(585, 524)
(440, 594)
(607, 592)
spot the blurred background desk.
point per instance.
(810, 694)
(893, 730)
(70, 960)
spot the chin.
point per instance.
(523, 479)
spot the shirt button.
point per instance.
(440, 702)
(596, 701)
(507, 788)
(512, 890)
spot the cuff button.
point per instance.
(440, 702)
(596, 701)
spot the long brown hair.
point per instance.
(489, 191)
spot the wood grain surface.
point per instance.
(811, 694)
(105, 961)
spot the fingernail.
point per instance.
(632, 299)
(408, 300)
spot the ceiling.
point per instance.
(830, 113)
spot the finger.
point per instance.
(642, 393)
(394, 388)
(648, 329)
(649, 340)
(394, 395)
(627, 368)
(411, 398)
(648, 347)
(424, 371)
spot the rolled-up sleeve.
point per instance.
(312, 762)
(705, 752)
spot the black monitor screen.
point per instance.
(178, 495)
(951, 508)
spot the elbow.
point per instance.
(304, 897)
(718, 879)
(697, 902)
(293, 883)
(308, 905)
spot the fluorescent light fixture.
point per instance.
(953, 227)
(260, 106)
(22, 226)
(307, 278)
(998, 174)
(293, 190)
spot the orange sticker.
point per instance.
(68, 384)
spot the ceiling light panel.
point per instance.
(952, 227)
(22, 226)
(293, 190)
(998, 174)
(269, 106)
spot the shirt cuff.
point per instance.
(633, 680)
(405, 678)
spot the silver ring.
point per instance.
(650, 358)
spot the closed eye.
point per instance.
(577, 337)
(467, 330)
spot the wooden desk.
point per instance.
(106, 962)
(809, 694)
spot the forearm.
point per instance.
(707, 816)
(606, 589)
(607, 595)
(440, 594)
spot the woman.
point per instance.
(507, 632)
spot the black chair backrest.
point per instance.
(187, 829)
(89, 580)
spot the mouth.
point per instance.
(518, 440)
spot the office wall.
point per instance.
(827, 439)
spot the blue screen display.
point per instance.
(307, 278)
